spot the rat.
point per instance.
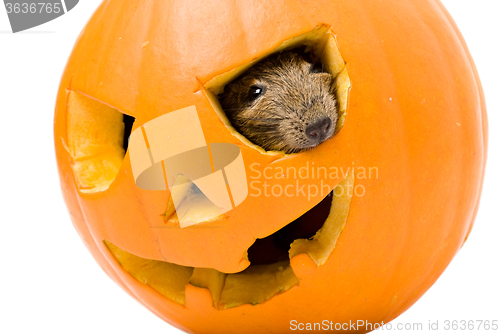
(285, 102)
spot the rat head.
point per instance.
(283, 103)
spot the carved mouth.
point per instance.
(275, 247)
(315, 233)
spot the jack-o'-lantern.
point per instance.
(358, 227)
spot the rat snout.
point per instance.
(320, 130)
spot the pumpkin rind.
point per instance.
(416, 112)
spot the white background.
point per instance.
(49, 283)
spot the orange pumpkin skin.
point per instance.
(416, 112)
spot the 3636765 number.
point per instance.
(471, 325)
(40, 7)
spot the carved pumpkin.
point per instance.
(396, 189)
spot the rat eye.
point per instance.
(254, 92)
(317, 68)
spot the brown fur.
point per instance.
(295, 96)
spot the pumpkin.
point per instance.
(396, 189)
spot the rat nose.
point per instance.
(319, 130)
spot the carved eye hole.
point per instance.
(255, 91)
(317, 68)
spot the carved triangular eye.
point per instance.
(323, 64)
